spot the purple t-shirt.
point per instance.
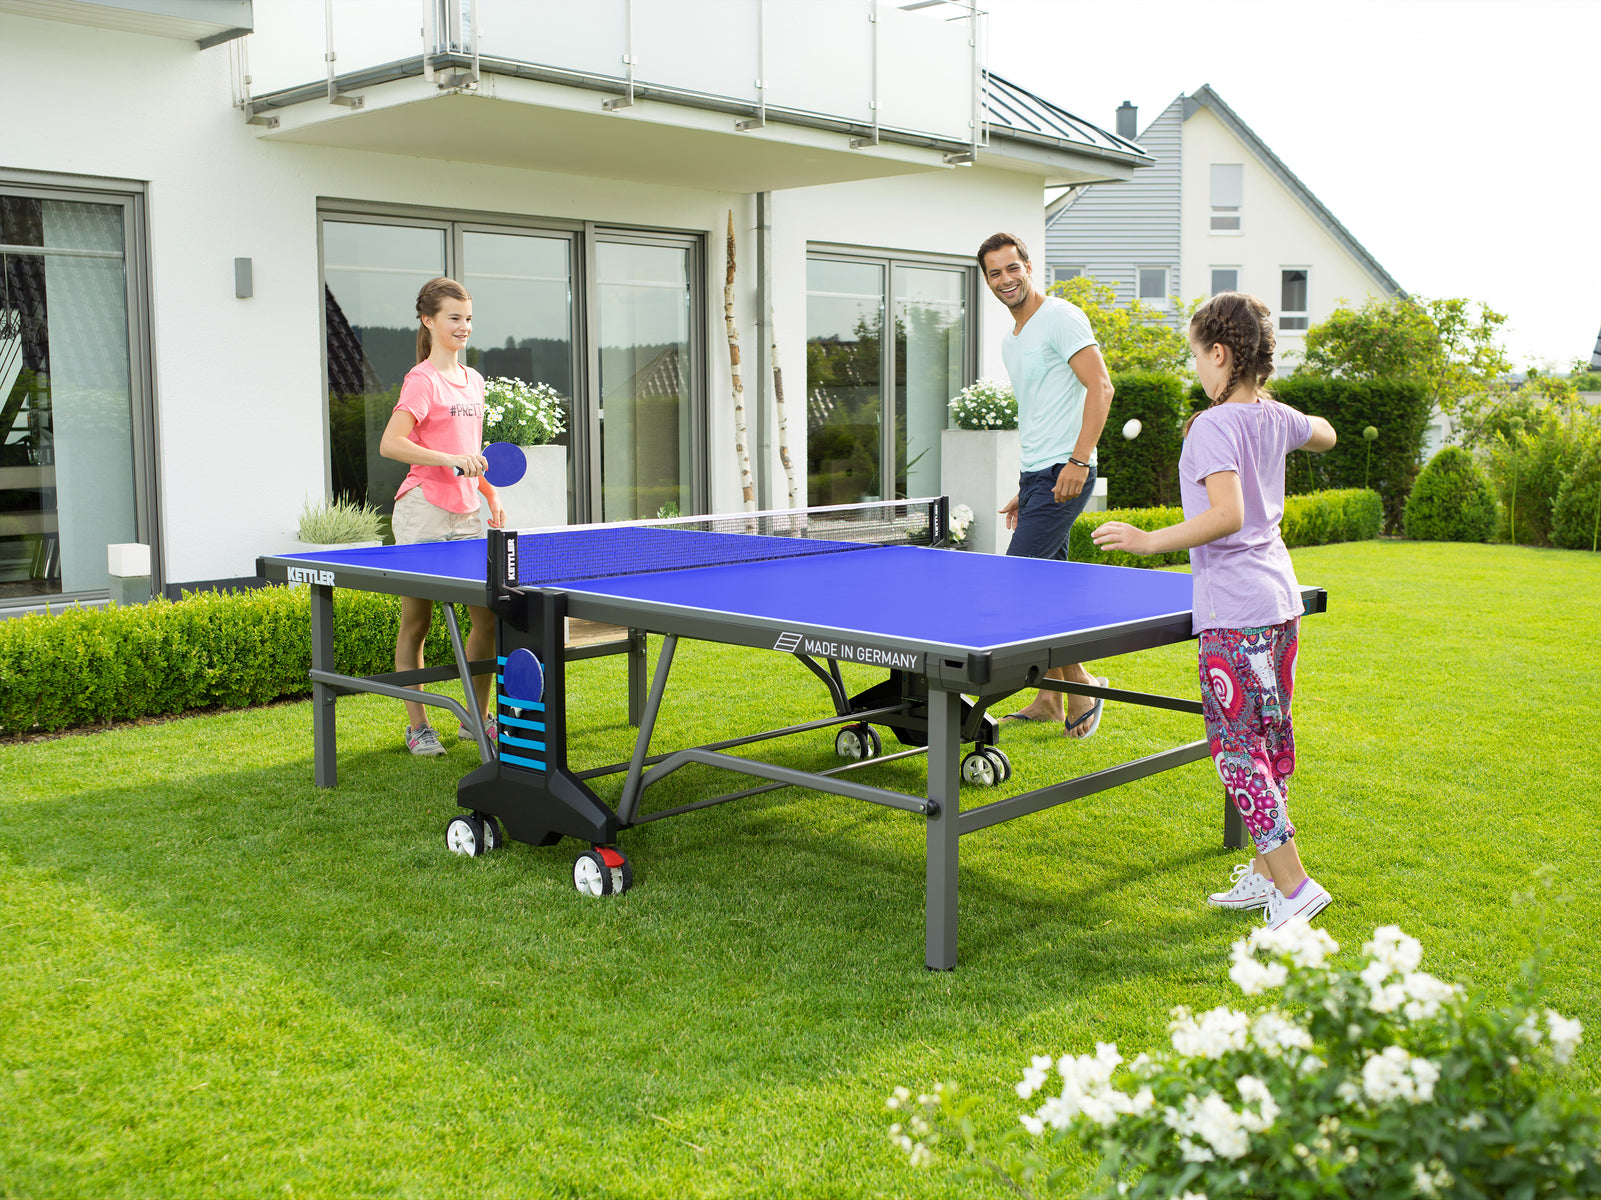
(1244, 579)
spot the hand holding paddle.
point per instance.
(506, 464)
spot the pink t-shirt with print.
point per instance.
(450, 418)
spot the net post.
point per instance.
(939, 519)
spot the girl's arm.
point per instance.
(397, 444)
(497, 515)
(1322, 436)
(1224, 516)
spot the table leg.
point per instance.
(944, 789)
(1233, 824)
(325, 754)
(636, 676)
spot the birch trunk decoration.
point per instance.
(783, 424)
(746, 483)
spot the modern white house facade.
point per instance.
(214, 222)
(1219, 211)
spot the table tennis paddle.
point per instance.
(524, 678)
(507, 463)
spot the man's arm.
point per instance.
(1090, 368)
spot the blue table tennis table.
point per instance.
(952, 631)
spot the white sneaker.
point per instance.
(423, 741)
(1250, 890)
(1310, 899)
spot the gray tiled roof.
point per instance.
(1013, 111)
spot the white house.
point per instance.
(1219, 211)
(215, 216)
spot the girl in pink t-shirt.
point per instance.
(437, 427)
(1247, 603)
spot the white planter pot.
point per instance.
(293, 545)
(978, 468)
(539, 499)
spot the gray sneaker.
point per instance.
(423, 741)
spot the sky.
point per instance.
(1458, 140)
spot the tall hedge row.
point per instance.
(1397, 408)
(1143, 473)
(86, 666)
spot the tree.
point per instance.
(1135, 338)
(1447, 345)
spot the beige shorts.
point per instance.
(416, 520)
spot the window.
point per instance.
(876, 405)
(633, 412)
(74, 409)
(1292, 298)
(1228, 196)
(1063, 274)
(1225, 279)
(1152, 283)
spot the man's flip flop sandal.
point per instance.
(1093, 716)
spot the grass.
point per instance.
(215, 978)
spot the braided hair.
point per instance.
(1243, 324)
(430, 300)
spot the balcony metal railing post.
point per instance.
(861, 143)
(626, 100)
(329, 57)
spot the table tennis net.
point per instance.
(576, 553)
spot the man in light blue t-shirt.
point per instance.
(1063, 395)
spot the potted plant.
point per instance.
(530, 415)
(978, 460)
(344, 524)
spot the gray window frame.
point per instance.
(582, 236)
(131, 196)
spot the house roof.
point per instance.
(1205, 97)
(1015, 112)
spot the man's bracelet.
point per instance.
(1076, 462)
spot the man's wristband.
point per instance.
(1076, 462)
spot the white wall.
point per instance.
(1278, 232)
(241, 430)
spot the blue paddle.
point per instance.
(524, 678)
(507, 463)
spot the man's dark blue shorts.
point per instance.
(1042, 523)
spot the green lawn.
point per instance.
(216, 979)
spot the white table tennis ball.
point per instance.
(1131, 429)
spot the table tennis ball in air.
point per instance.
(1131, 428)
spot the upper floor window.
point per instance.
(1061, 274)
(1225, 279)
(1292, 298)
(1153, 286)
(1228, 196)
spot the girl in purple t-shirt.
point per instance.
(1247, 602)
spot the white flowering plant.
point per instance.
(986, 404)
(1377, 1080)
(960, 522)
(526, 414)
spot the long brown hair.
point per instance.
(429, 301)
(1243, 324)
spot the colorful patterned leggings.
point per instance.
(1247, 679)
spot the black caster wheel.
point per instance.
(1002, 763)
(980, 770)
(465, 835)
(602, 871)
(858, 741)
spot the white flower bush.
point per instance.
(987, 404)
(1372, 1080)
(527, 414)
(961, 520)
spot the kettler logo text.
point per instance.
(511, 561)
(309, 575)
(796, 643)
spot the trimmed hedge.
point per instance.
(1576, 515)
(1397, 408)
(87, 666)
(1143, 473)
(1347, 515)
(1451, 501)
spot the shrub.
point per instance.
(1451, 501)
(984, 405)
(1528, 456)
(1351, 515)
(1576, 516)
(1375, 1079)
(341, 521)
(85, 666)
(1143, 473)
(524, 413)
